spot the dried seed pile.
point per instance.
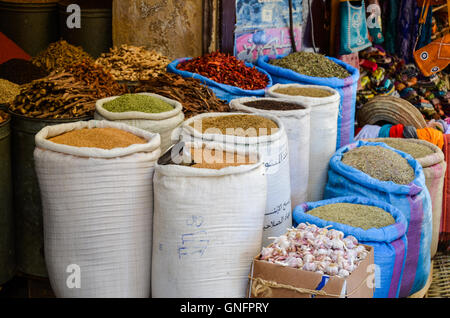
(380, 163)
(316, 249)
(8, 91)
(60, 56)
(216, 159)
(356, 215)
(303, 91)
(104, 138)
(416, 150)
(21, 72)
(237, 125)
(98, 78)
(57, 96)
(133, 63)
(3, 116)
(137, 103)
(195, 97)
(311, 64)
(267, 104)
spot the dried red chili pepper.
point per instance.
(226, 69)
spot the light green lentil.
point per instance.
(137, 103)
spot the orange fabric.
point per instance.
(433, 57)
(431, 135)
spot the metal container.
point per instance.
(27, 199)
(7, 250)
(95, 34)
(32, 26)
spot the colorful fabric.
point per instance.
(444, 231)
(384, 131)
(432, 135)
(407, 24)
(396, 131)
(368, 132)
(410, 132)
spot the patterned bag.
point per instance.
(354, 33)
(435, 56)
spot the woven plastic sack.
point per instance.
(297, 125)
(323, 132)
(274, 151)
(346, 87)
(162, 123)
(97, 213)
(389, 243)
(207, 228)
(222, 91)
(434, 168)
(413, 200)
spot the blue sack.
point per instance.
(346, 87)
(389, 243)
(413, 200)
(222, 91)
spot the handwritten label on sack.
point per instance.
(282, 213)
(195, 242)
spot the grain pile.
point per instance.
(8, 91)
(98, 78)
(266, 104)
(137, 103)
(356, 215)
(133, 63)
(237, 125)
(103, 138)
(416, 150)
(303, 91)
(311, 64)
(60, 56)
(57, 96)
(380, 163)
(216, 159)
(195, 97)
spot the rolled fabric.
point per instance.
(410, 132)
(432, 135)
(368, 131)
(396, 131)
(444, 124)
(384, 131)
(436, 125)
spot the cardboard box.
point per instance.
(359, 284)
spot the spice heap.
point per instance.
(226, 69)
(3, 116)
(266, 104)
(8, 91)
(415, 149)
(20, 71)
(236, 125)
(311, 64)
(98, 78)
(356, 215)
(133, 63)
(195, 97)
(380, 163)
(60, 55)
(303, 91)
(137, 103)
(315, 249)
(55, 97)
(104, 138)
(216, 159)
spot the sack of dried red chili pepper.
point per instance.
(228, 77)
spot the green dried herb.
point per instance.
(380, 163)
(137, 103)
(356, 215)
(311, 64)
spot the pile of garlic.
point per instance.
(320, 250)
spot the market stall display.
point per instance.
(147, 111)
(296, 117)
(75, 230)
(8, 91)
(262, 133)
(21, 71)
(346, 87)
(411, 198)
(385, 231)
(324, 102)
(211, 213)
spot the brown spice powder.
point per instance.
(269, 104)
(237, 125)
(303, 91)
(104, 138)
(216, 159)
